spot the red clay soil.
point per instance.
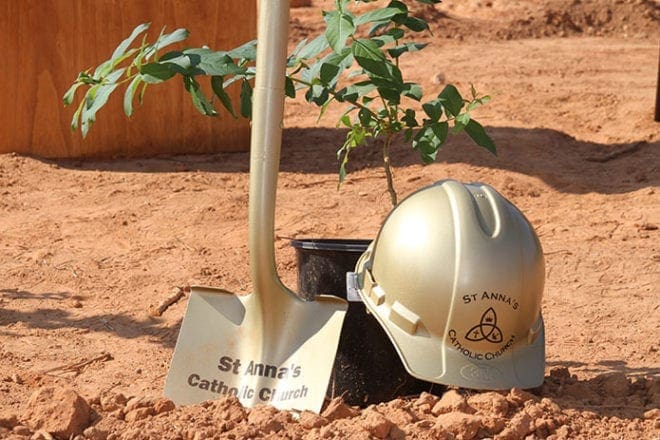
(88, 249)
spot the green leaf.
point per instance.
(96, 98)
(413, 91)
(427, 143)
(369, 56)
(70, 94)
(364, 48)
(377, 15)
(314, 48)
(246, 99)
(154, 73)
(123, 46)
(461, 122)
(355, 91)
(289, 87)
(451, 100)
(365, 117)
(199, 100)
(171, 38)
(143, 90)
(415, 24)
(76, 116)
(433, 109)
(129, 94)
(317, 94)
(396, 33)
(120, 53)
(247, 51)
(479, 136)
(390, 94)
(440, 130)
(219, 64)
(397, 51)
(477, 103)
(339, 27)
(345, 119)
(329, 73)
(114, 76)
(377, 28)
(403, 9)
(184, 64)
(217, 84)
(409, 118)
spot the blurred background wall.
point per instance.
(45, 43)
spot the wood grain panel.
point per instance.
(45, 43)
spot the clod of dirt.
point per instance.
(310, 420)
(518, 397)
(337, 409)
(652, 414)
(490, 403)
(41, 435)
(614, 384)
(520, 425)
(425, 402)
(375, 423)
(8, 420)
(113, 401)
(60, 411)
(163, 405)
(268, 419)
(228, 409)
(451, 401)
(462, 426)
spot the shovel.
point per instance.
(267, 347)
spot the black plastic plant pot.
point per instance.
(367, 368)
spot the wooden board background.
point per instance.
(45, 43)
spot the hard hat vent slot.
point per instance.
(377, 295)
(404, 318)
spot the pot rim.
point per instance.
(332, 244)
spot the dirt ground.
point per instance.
(89, 248)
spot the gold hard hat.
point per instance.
(455, 277)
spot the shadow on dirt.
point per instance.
(59, 318)
(565, 163)
(617, 366)
(613, 394)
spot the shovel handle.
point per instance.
(266, 140)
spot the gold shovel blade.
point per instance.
(225, 348)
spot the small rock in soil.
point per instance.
(60, 411)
